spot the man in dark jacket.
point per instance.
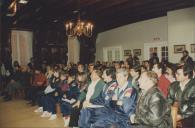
(154, 59)
(186, 59)
(182, 92)
(152, 110)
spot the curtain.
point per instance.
(73, 50)
(21, 43)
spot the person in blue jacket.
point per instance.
(123, 104)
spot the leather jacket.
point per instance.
(185, 98)
(152, 110)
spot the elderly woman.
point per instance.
(152, 109)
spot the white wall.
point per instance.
(177, 28)
(181, 31)
(133, 36)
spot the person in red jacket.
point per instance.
(38, 85)
(163, 82)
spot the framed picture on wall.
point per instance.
(127, 52)
(137, 52)
(179, 48)
(192, 48)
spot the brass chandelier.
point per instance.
(80, 27)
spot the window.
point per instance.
(112, 54)
(164, 52)
(109, 55)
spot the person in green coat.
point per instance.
(94, 90)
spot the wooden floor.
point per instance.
(18, 114)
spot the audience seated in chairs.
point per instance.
(122, 104)
(86, 100)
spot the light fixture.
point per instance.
(55, 21)
(23, 1)
(80, 27)
(12, 9)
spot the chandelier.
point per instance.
(79, 28)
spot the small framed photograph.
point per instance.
(179, 48)
(127, 52)
(137, 52)
(192, 48)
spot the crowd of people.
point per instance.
(121, 94)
